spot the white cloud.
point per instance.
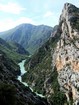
(48, 14)
(11, 8)
(24, 20)
(10, 23)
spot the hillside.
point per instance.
(41, 77)
(13, 50)
(12, 92)
(54, 69)
(18, 48)
(31, 37)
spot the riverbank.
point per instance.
(23, 71)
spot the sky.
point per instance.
(37, 12)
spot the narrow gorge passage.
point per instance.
(23, 71)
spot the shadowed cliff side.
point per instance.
(12, 92)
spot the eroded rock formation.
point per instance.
(66, 54)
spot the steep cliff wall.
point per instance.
(66, 54)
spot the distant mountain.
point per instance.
(13, 50)
(31, 37)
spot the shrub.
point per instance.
(59, 99)
(7, 94)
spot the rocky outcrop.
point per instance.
(66, 54)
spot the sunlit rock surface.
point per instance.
(66, 54)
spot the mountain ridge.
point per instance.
(13, 50)
(31, 37)
(54, 69)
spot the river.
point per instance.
(23, 71)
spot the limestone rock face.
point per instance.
(66, 54)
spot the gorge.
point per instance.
(50, 76)
(23, 71)
(58, 60)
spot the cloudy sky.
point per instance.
(15, 12)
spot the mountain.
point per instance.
(31, 37)
(40, 75)
(9, 64)
(12, 92)
(13, 50)
(54, 69)
(18, 48)
(66, 54)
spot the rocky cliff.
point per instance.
(66, 53)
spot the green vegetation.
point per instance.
(40, 75)
(7, 94)
(13, 51)
(16, 47)
(59, 98)
(43, 69)
(12, 55)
